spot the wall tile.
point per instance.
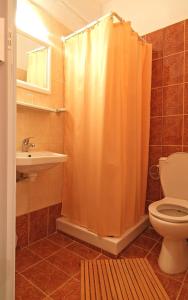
(167, 150)
(153, 189)
(185, 148)
(173, 69)
(156, 102)
(155, 152)
(157, 71)
(172, 130)
(174, 38)
(186, 35)
(54, 213)
(186, 98)
(156, 131)
(147, 205)
(38, 224)
(173, 100)
(169, 45)
(22, 230)
(186, 66)
(156, 38)
(185, 138)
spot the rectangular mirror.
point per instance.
(33, 63)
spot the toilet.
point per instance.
(169, 216)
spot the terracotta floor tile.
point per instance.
(102, 256)
(83, 251)
(186, 278)
(171, 286)
(71, 290)
(77, 276)
(144, 242)
(133, 251)
(88, 245)
(151, 233)
(45, 276)
(25, 258)
(157, 249)
(184, 293)
(60, 239)
(153, 260)
(22, 230)
(25, 290)
(66, 260)
(44, 248)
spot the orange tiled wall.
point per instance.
(36, 225)
(46, 128)
(169, 97)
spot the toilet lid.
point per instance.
(174, 175)
(170, 210)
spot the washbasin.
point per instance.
(33, 162)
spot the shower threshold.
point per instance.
(112, 245)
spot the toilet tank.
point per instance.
(174, 175)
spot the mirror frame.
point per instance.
(30, 86)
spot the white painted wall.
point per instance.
(149, 15)
(24, 45)
(145, 15)
(73, 14)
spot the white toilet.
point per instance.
(169, 216)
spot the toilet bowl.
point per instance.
(169, 216)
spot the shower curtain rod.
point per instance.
(112, 14)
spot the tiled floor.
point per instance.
(50, 268)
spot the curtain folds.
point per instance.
(37, 67)
(106, 128)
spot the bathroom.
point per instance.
(47, 260)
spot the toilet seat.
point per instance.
(172, 210)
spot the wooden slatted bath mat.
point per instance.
(120, 279)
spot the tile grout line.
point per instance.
(39, 256)
(181, 287)
(41, 239)
(72, 277)
(183, 125)
(169, 55)
(44, 260)
(35, 286)
(165, 145)
(87, 246)
(83, 243)
(166, 274)
(149, 252)
(169, 85)
(166, 116)
(54, 253)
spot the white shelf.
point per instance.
(40, 107)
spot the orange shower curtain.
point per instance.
(106, 128)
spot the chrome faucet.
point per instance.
(26, 145)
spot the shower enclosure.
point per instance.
(107, 71)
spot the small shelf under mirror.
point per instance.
(40, 107)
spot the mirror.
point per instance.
(33, 63)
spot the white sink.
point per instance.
(33, 162)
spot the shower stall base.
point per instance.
(112, 245)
